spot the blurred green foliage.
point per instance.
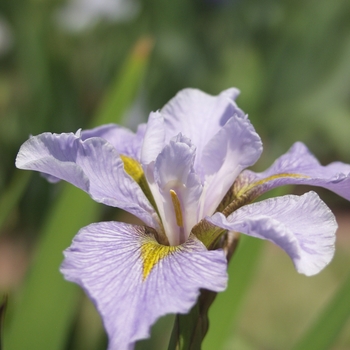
(289, 58)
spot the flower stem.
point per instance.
(190, 329)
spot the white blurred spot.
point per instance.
(6, 37)
(78, 15)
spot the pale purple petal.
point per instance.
(299, 166)
(173, 170)
(301, 225)
(106, 259)
(235, 147)
(124, 140)
(154, 138)
(199, 116)
(92, 165)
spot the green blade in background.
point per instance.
(13, 194)
(224, 312)
(322, 334)
(227, 305)
(125, 87)
(42, 318)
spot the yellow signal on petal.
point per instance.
(133, 168)
(151, 253)
(267, 179)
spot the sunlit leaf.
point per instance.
(13, 194)
(324, 331)
(42, 317)
(224, 312)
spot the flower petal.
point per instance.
(235, 147)
(301, 225)
(131, 285)
(299, 166)
(173, 171)
(199, 116)
(154, 138)
(124, 140)
(92, 165)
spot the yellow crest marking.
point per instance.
(152, 252)
(133, 168)
(267, 179)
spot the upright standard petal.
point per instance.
(303, 226)
(92, 165)
(133, 280)
(235, 147)
(199, 116)
(177, 189)
(298, 167)
(154, 138)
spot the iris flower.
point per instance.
(183, 175)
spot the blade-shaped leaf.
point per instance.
(13, 194)
(224, 312)
(324, 331)
(42, 317)
(124, 88)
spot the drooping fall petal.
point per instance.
(298, 167)
(133, 280)
(92, 165)
(303, 226)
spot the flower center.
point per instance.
(178, 215)
(177, 208)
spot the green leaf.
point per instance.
(186, 334)
(224, 312)
(125, 87)
(13, 194)
(326, 328)
(42, 317)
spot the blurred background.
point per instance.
(290, 59)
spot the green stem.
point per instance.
(190, 329)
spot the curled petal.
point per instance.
(235, 147)
(199, 116)
(124, 140)
(154, 138)
(303, 226)
(92, 165)
(133, 280)
(173, 171)
(298, 167)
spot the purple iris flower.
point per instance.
(183, 174)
